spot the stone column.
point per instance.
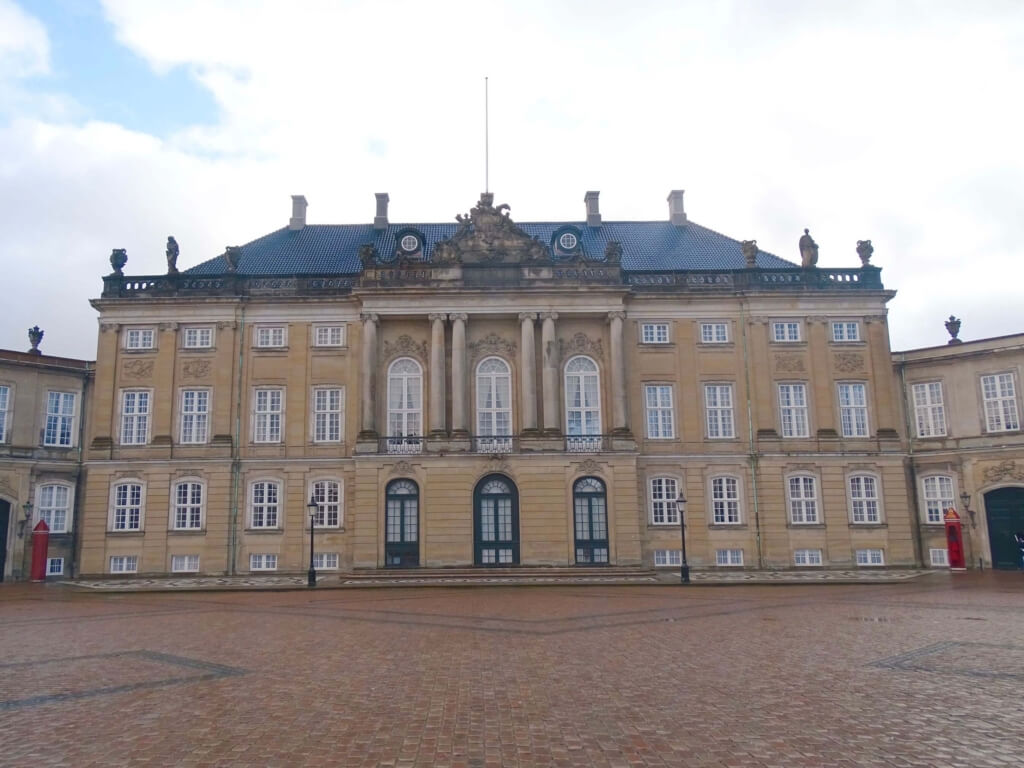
(550, 373)
(437, 426)
(459, 373)
(528, 372)
(369, 430)
(620, 421)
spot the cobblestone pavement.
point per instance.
(928, 672)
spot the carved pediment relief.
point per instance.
(487, 235)
(491, 344)
(405, 345)
(588, 467)
(403, 468)
(581, 344)
(1004, 470)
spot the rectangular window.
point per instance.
(793, 410)
(728, 557)
(853, 410)
(134, 417)
(664, 493)
(267, 415)
(725, 500)
(327, 494)
(864, 499)
(55, 566)
(270, 336)
(329, 336)
(54, 507)
(1000, 398)
(127, 507)
(5, 408)
(139, 338)
(654, 333)
(195, 416)
(870, 557)
(188, 506)
(124, 563)
(327, 404)
(929, 411)
(786, 330)
(718, 408)
(939, 557)
(807, 557)
(664, 558)
(326, 561)
(198, 338)
(803, 500)
(184, 563)
(262, 562)
(846, 331)
(938, 497)
(714, 333)
(660, 421)
(265, 504)
(60, 417)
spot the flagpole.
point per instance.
(487, 139)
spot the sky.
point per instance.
(125, 121)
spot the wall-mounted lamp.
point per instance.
(965, 501)
(27, 509)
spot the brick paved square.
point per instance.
(924, 673)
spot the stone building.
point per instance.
(43, 405)
(965, 446)
(490, 393)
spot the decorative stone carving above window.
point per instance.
(137, 369)
(491, 344)
(581, 344)
(195, 369)
(588, 467)
(405, 345)
(848, 362)
(1004, 470)
(402, 468)
(790, 364)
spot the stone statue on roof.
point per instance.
(172, 255)
(808, 250)
(232, 255)
(749, 249)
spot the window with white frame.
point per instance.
(714, 333)
(846, 330)
(184, 563)
(1000, 398)
(127, 512)
(864, 499)
(870, 557)
(270, 336)
(405, 401)
(326, 561)
(54, 506)
(124, 563)
(786, 330)
(5, 409)
(793, 410)
(654, 333)
(265, 504)
(55, 566)
(267, 412)
(807, 557)
(729, 557)
(929, 410)
(329, 336)
(197, 338)
(188, 506)
(262, 562)
(660, 419)
(582, 397)
(853, 409)
(328, 404)
(664, 558)
(718, 410)
(939, 557)
(139, 338)
(938, 497)
(195, 416)
(135, 408)
(803, 499)
(60, 419)
(664, 493)
(327, 495)
(725, 500)
(494, 402)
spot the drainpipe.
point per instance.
(752, 446)
(915, 521)
(236, 464)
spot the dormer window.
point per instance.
(409, 244)
(566, 242)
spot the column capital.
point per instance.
(435, 316)
(617, 315)
(524, 316)
(458, 316)
(548, 315)
(369, 317)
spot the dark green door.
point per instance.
(495, 522)
(590, 521)
(5, 520)
(1004, 509)
(402, 524)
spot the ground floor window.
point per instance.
(807, 557)
(124, 563)
(668, 557)
(728, 557)
(55, 566)
(939, 557)
(262, 562)
(870, 557)
(326, 561)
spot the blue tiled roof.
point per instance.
(647, 246)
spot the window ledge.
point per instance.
(818, 526)
(126, 534)
(264, 530)
(186, 531)
(868, 525)
(269, 350)
(727, 527)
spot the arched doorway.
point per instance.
(1004, 508)
(495, 522)
(402, 524)
(590, 521)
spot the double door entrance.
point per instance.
(1004, 509)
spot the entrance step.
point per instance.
(519, 572)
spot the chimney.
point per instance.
(593, 212)
(380, 221)
(298, 219)
(676, 214)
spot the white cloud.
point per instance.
(24, 45)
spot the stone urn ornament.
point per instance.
(808, 250)
(953, 326)
(35, 335)
(864, 250)
(118, 258)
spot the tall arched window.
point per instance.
(405, 406)
(493, 406)
(582, 405)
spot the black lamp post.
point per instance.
(684, 569)
(313, 508)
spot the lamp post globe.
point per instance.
(313, 508)
(684, 568)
